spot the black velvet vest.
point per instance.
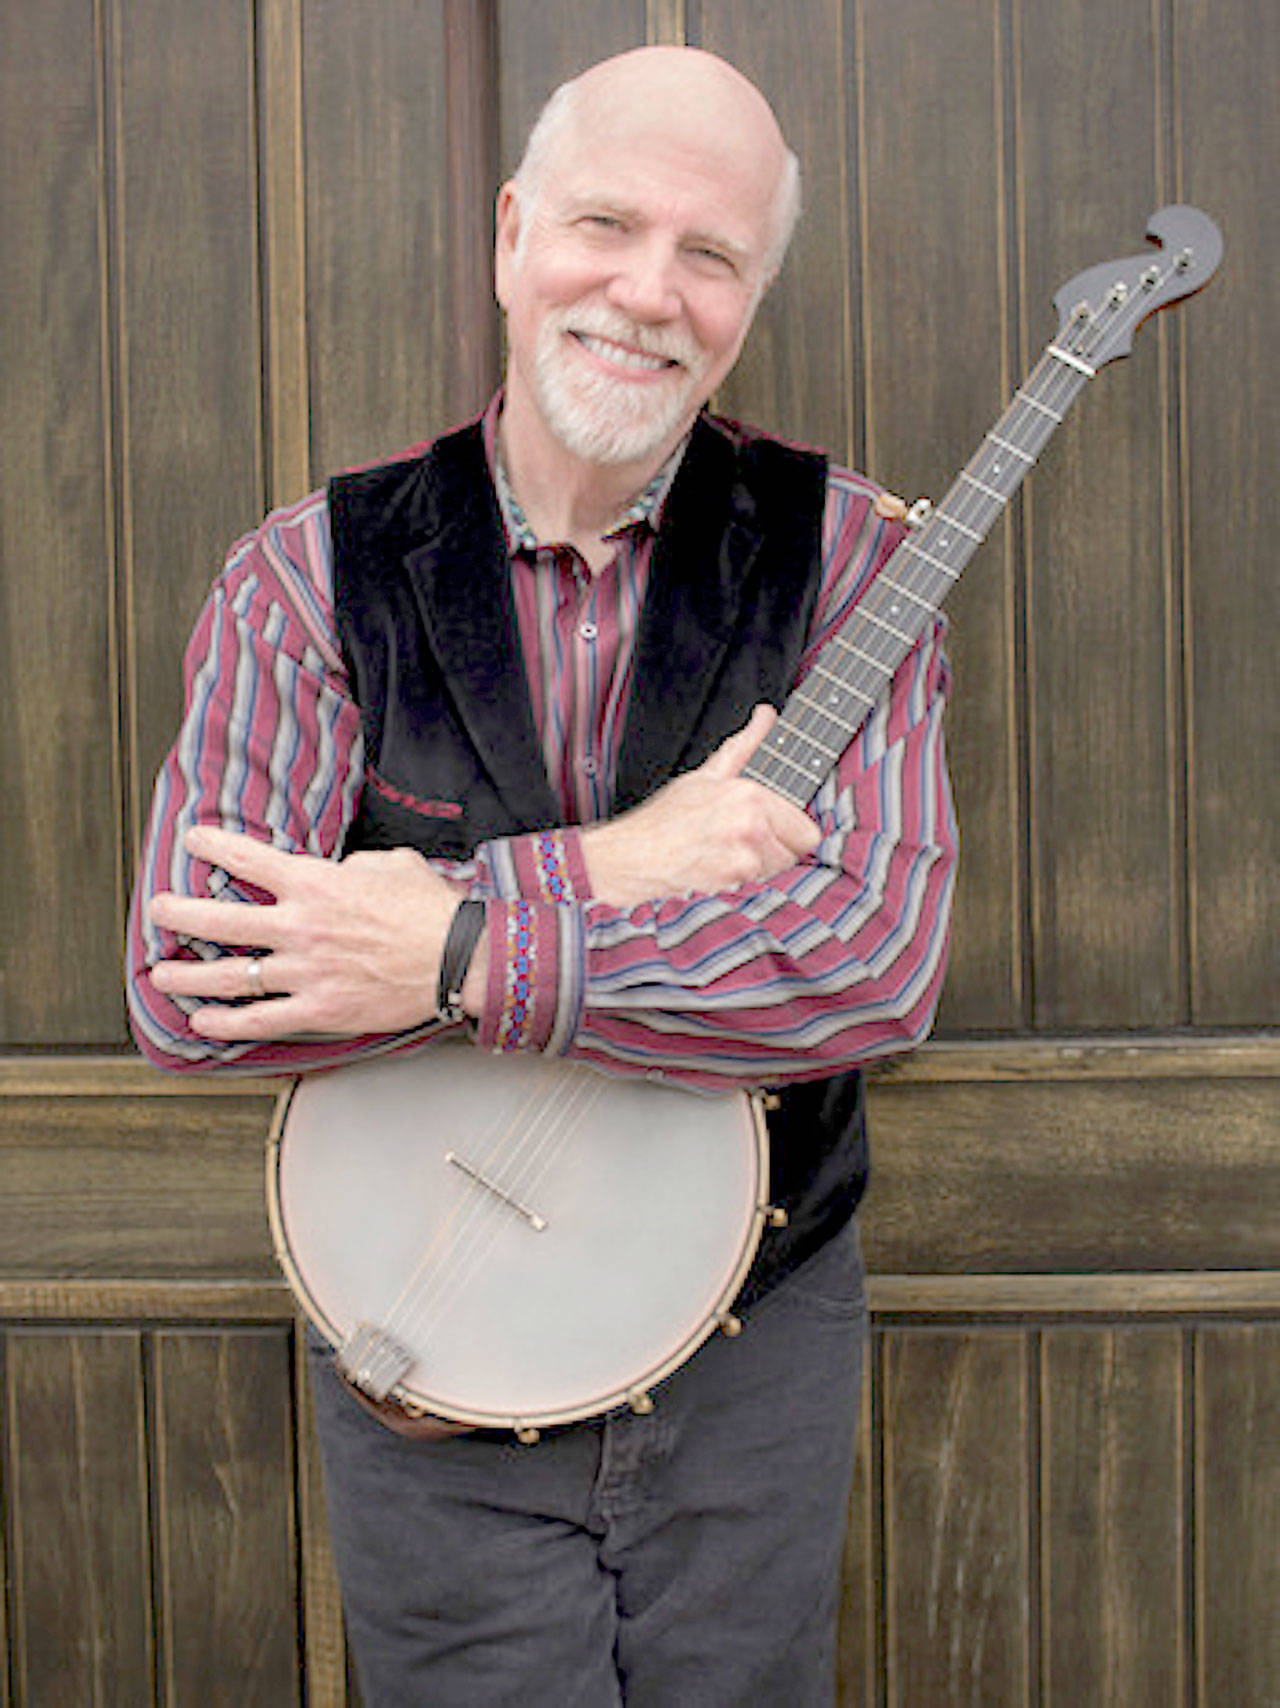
(428, 628)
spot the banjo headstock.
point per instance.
(1101, 308)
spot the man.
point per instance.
(519, 671)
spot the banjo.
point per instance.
(516, 1243)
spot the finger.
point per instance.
(255, 1022)
(241, 924)
(734, 751)
(243, 856)
(227, 979)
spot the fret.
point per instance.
(1044, 409)
(820, 669)
(943, 568)
(1013, 450)
(830, 754)
(870, 617)
(846, 645)
(915, 598)
(961, 528)
(983, 487)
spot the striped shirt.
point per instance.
(834, 962)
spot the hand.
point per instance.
(709, 830)
(349, 947)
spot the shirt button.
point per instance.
(588, 631)
(589, 766)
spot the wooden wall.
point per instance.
(243, 243)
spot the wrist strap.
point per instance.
(459, 946)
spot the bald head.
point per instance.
(695, 97)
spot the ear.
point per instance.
(507, 218)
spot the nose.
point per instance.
(645, 284)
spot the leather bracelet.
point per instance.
(455, 958)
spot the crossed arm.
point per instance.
(715, 932)
(353, 947)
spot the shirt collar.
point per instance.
(644, 510)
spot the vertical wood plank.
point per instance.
(1113, 1529)
(540, 48)
(225, 1518)
(1106, 805)
(187, 338)
(1238, 1514)
(377, 228)
(861, 1602)
(956, 1522)
(795, 375)
(471, 102)
(934, 329)
(284, 249)
(59, 769)
(1228, 73)
(323, 1632)
(76, 1481)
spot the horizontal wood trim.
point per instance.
(1219, 1292)
(1252, 1055)
(1213, 1292)
(146, 1301)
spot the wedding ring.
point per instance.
(254, 972)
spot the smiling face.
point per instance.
(630, 272)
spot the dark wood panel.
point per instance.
(956, 1521)
(861, 1604)
(77, 1495)
(187, 338)
(796, 376)
(934, 329)
(1042, 1179)
(224, 1517)
(377, 198)
(60, 842)
(165, 1186)
(1113, 1526)
(1238, 1514)
(541, 47)
(1102, 615)
(1228, 68)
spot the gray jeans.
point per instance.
(688, 1559)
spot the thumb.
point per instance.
(734, 751)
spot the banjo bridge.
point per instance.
(372, 1360)
(536, 1222)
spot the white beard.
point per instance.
(606, 420)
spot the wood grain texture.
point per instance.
(795, 376)
(859, 1656)
(1238, 1514)
(1106, 824)
(77, 1493)
(935, 329)
(164, 1188)
(1113, 1528)
(471, 122)
(1228, 78)
(377, 229)
(1111, 1177)
(569, 35)
(59, 775)
(225, 1521)
(187, 337)
(282, 197)
(956, 1520)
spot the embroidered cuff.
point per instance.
(535, 980)
(542, 866)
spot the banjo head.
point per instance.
(537, 1242)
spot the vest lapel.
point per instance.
(708, 541)
(461, 581)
